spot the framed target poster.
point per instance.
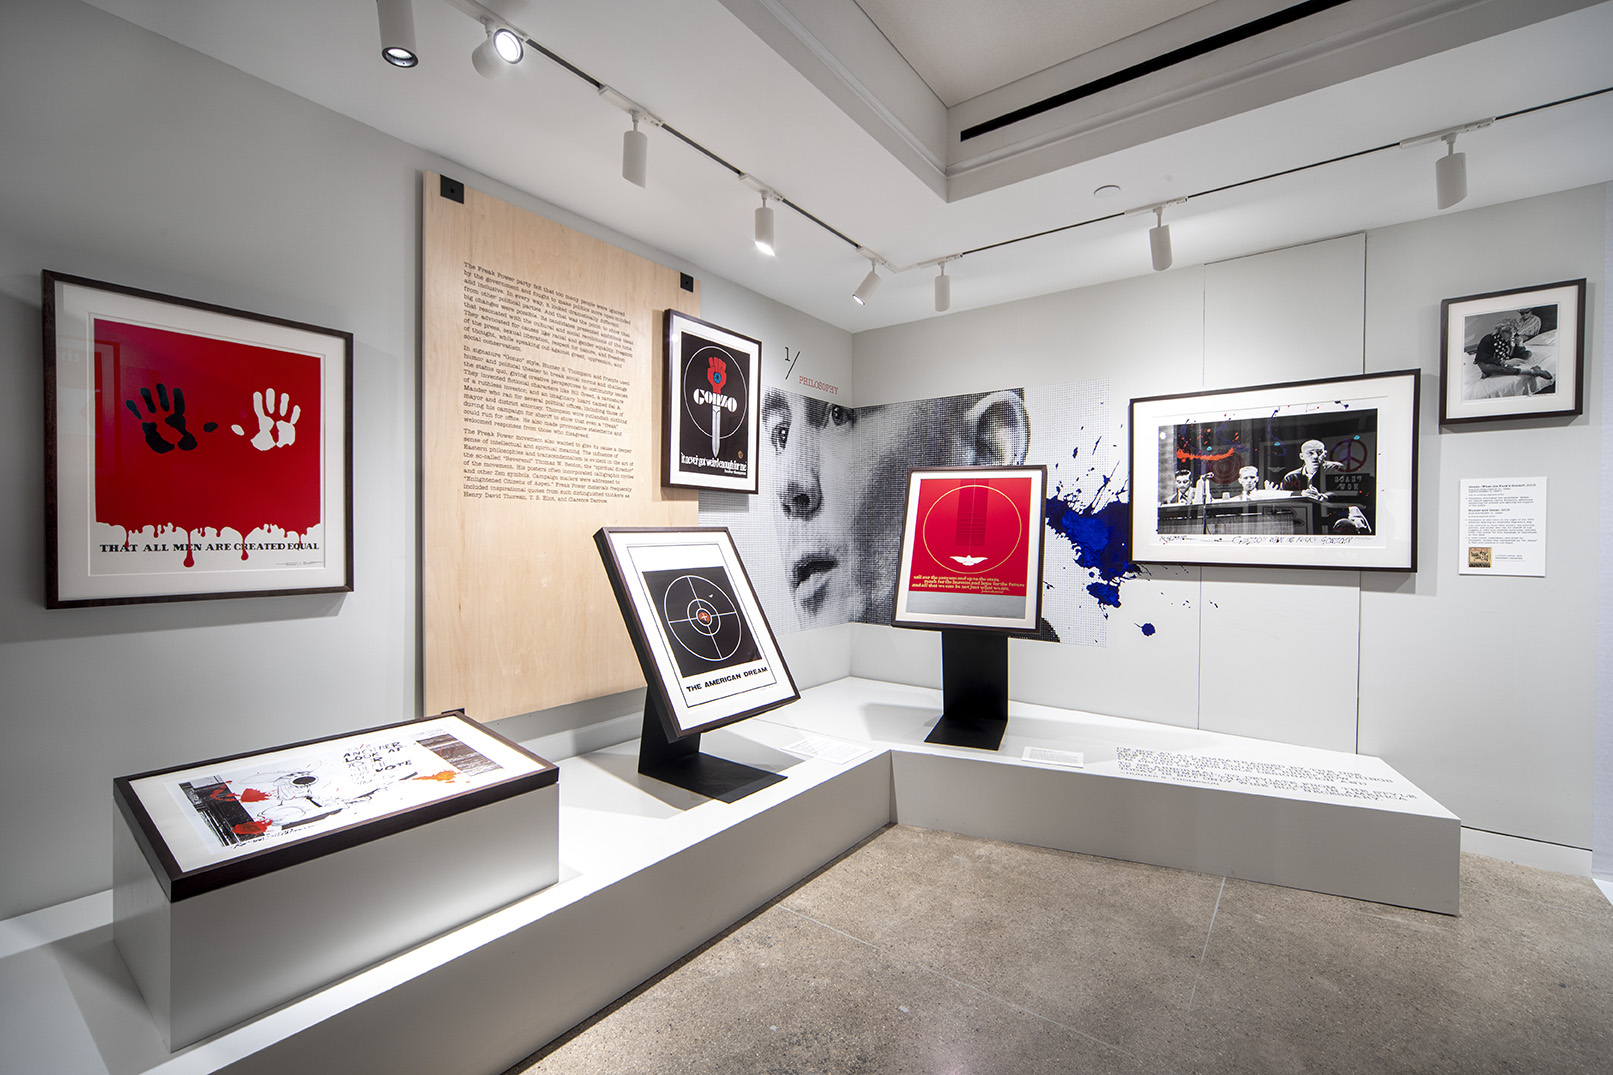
(708, 654)
(713, 391)
(191, 451)
(972, 549)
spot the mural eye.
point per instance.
(779, 435)
(839, 415)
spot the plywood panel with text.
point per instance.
(541, 409)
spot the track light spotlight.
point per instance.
(943, 291)
(870, 284)
(397, 32)
(764, 228)
(1450, 175)
(1159, 240)
(635, 154)
(496, 55)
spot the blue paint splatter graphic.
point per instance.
(1147, 629)
(1099, 532)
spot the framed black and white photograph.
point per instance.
(972, 548)
(1513, 354)
(191, 451)
(1316, 473)
(211, 823)
(713, 392)
(708, 654)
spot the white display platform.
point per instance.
(648, 872)
(1301, 817)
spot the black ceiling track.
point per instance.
(1158, 63)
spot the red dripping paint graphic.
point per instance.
(252, 828)
(253, 795)
(445, 776)
(222, 795)
(157, 462)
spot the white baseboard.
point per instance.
(1536, 853)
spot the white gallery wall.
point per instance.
(1481, 690)
(129, 159)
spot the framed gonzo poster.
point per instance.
(713, 393)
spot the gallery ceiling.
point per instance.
(923, 129)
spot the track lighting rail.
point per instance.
(483, 14)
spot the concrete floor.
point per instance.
(928, 952)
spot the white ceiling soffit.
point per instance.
(963, 48)
(840, 50)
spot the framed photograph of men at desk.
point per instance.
(1304, 474)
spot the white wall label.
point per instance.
(1501, 527)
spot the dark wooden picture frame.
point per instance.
(1317, 474)
(192, 451)
(1518, 353)
(644, 588)
(711, 407)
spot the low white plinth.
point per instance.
(1301, 817)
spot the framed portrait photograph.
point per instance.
(708, 654)
(972, 549)
(713, 394)
(191, 451)
(1513, 354)
(212, 823)
(1305, 474)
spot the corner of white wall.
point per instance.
(1602, 831)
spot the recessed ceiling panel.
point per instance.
(963, 48)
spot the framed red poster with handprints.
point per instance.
(713, 391)
(191, 451)
(972, 549)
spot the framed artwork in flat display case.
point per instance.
(1316, 473)
(191, 450)
(214, 823)
(713, 392)
(972, 549)
(708, 654)
(1513, 354)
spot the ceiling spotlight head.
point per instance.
(943, 291)
(507, 43)
(1159, 241)
(635, 155)
(870, 284)
(764, 229)
(397, 32)
(1450, 175)
(497, 54)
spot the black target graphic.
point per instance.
(697, 609)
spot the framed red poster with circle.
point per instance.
(972, 549)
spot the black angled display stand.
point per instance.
(679, 762)
(974, 690)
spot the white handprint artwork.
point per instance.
(272, 433)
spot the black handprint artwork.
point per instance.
(175, 420)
